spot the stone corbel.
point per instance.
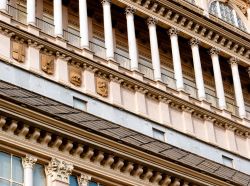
(75, 73)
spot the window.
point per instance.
(39, 178)
(73, 181)
(157, 134)
(227, 161)
(226, 13)
(79, 104)
(11, 170)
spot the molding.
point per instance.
(96, 147)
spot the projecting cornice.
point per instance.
(212, 32)
(50, 129)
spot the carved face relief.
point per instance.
(18, 51)
(75, 76)
(102, 87)
(47, 63)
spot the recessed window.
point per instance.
(11, 170)
(157, 134)
(227, 161)
(92, 183)
(79, 104)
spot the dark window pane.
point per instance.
(39, 178)
(73, 181)
(91, 183)
(4, 182)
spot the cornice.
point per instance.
(191, 24)
(94, 147)
(128, 81)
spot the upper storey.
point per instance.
(234, 12)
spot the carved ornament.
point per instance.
(18, 50)
(102, 86)
(28, 161)
(47, 63)
(59, 170)
(75, 75)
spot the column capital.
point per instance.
(214, 51)
(105, 1)
(194, 41)
(173, 31)
(28, 161)
(233, 61)
(129, 10)
(59, 170)
(84, 179)
(151, 21)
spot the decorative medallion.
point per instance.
(18, 50)
(47, 63)
(75, 75)
(102, 86)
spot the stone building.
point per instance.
(124, 93)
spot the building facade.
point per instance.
(124, 92)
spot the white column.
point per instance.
(84, 30)
(173, 32)
(108, 33)
(58, 18)
(197, 68)
(214, 52)
(28, 163)
(31, 12)
(237, 87)
(154, 48)
(204, 5)
(3, 5)
(132, 45)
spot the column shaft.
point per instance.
(176, 59)
(58, 18)
(28, 176)
(237, 87)
(31, 12)
(83, 16)
(108, 33)
(154, 48)
(3, 5)
(197, 69)
(218, 78)
(132, 45)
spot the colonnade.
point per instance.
(155, 56)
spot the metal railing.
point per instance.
(122, 60)
(73, 39)
(99, 50)
(45, 27)
(17, 14)
(145, 69)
